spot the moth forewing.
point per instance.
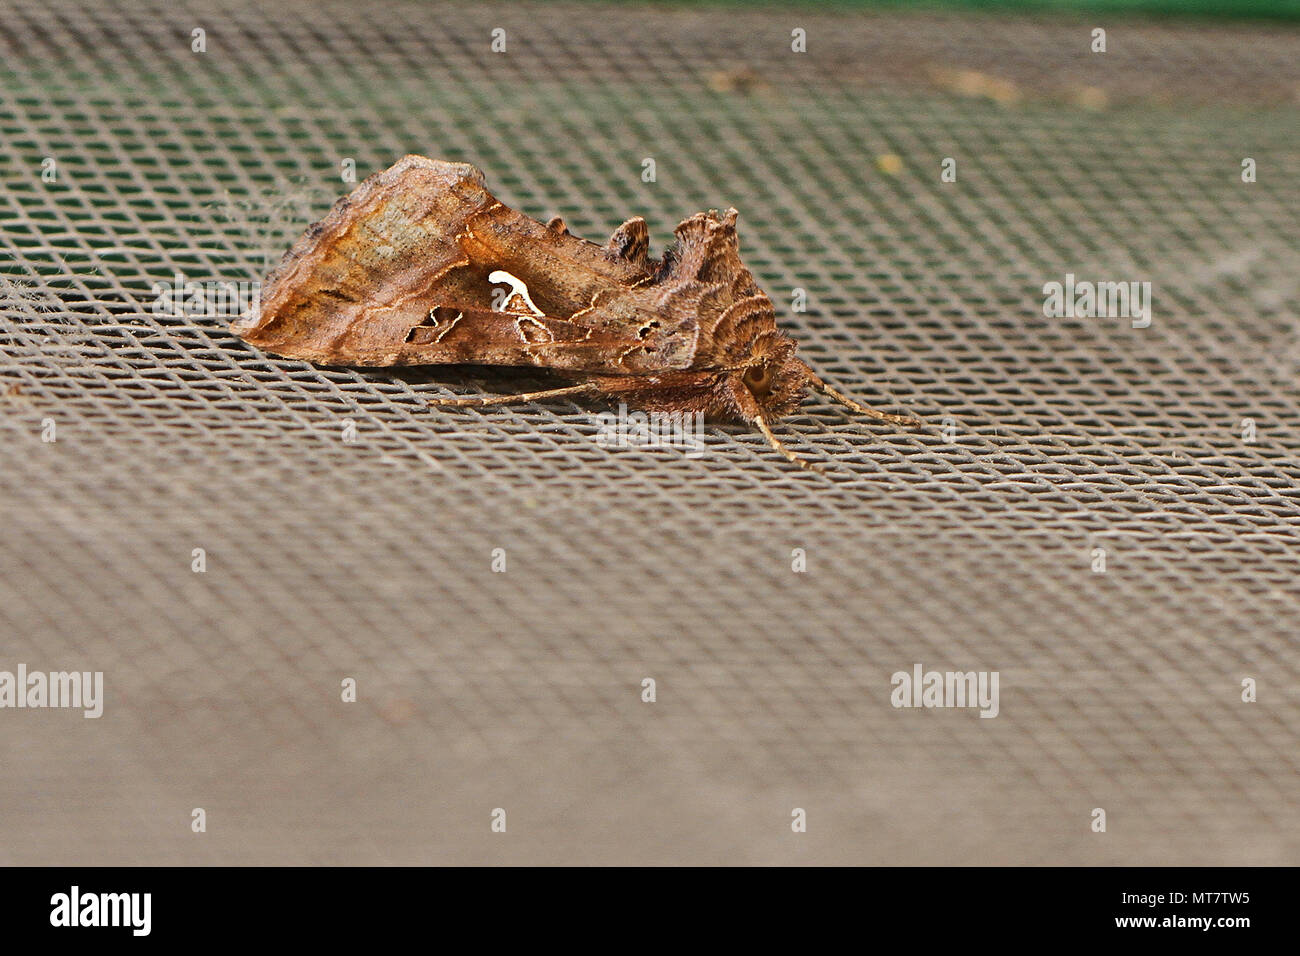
(421, 265)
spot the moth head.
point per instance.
(773, 379)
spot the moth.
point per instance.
(421, 265)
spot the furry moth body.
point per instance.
(421, 265)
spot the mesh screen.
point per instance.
(970, 545)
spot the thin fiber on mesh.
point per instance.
(969, 545)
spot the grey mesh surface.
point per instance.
(970, 548)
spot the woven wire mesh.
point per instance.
(969, 545)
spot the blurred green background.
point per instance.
(1225, 9)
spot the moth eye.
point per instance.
(758, 379)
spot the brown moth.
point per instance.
(421, 265)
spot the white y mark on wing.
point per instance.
(517, 288)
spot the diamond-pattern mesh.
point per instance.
(969, 545)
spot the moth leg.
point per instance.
(585, 388)
(789, 455)
(815, 381)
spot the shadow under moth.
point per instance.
(421, 265)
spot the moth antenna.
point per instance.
(858, 407)
(789, 455)
(585, 388)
